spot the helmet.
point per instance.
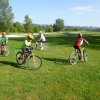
(80, 35)
(3, 33)
(30, 36)
(40, 32)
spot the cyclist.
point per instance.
(78, 45)
(27, 43)
(41, 38)
(3, 42)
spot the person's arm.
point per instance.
(6, 40)
(26, 43)
(86, 41)
(0, 41)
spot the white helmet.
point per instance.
(40, 32)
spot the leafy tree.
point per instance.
(29, 27)
(6, 15)
(43, 27)
(12, 28)
(37, 28)
(49, 28)
(19, 27)
(59, 25)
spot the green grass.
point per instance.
(56, 79)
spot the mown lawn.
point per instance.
(56, 79)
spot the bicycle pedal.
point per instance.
(24, 61)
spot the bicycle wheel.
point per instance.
(45, 47)
(19, 58)
(6, 53)
(35, 45)
(34, 62)
(73, 58)
(85, 56)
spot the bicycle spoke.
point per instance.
(85, 56)
(34, 63)
(6, 53)
(19, 58)
(73, 58)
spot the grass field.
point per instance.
(56, 79)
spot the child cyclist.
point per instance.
(3, 43)
(78, 45)
(27, 43)
(41, 38)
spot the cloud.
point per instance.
(82, 9)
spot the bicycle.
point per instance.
(75, 56)
(34, 62)
(36, 45)
(5, 52)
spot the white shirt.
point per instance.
(42, 37)
(81, 42)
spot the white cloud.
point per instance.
(82, 9)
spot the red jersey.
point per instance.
(79, 41)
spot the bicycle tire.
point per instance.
(73, 58)
(85, 55)
(6, 53)
(19, 59)
(34, 63)
(35, 45)
(45, 47)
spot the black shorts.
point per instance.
(24, 50)
(42, 41)
(78, 48)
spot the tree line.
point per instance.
(7, 24)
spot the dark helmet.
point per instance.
(80, 35)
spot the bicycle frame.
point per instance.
(75, 56)
(39, 45)
(32, 61)
(4, 50)
(28, 54)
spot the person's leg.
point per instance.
(2, 49)
(81, 53)
(41, 45)
(76, 48)
(79, 48)
(5, 48)
(23, 53)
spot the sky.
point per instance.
(73, 12)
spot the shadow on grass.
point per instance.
(9, 63)
(18, 39)
(13, 64)
(57, 60)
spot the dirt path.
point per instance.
(15, 35)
